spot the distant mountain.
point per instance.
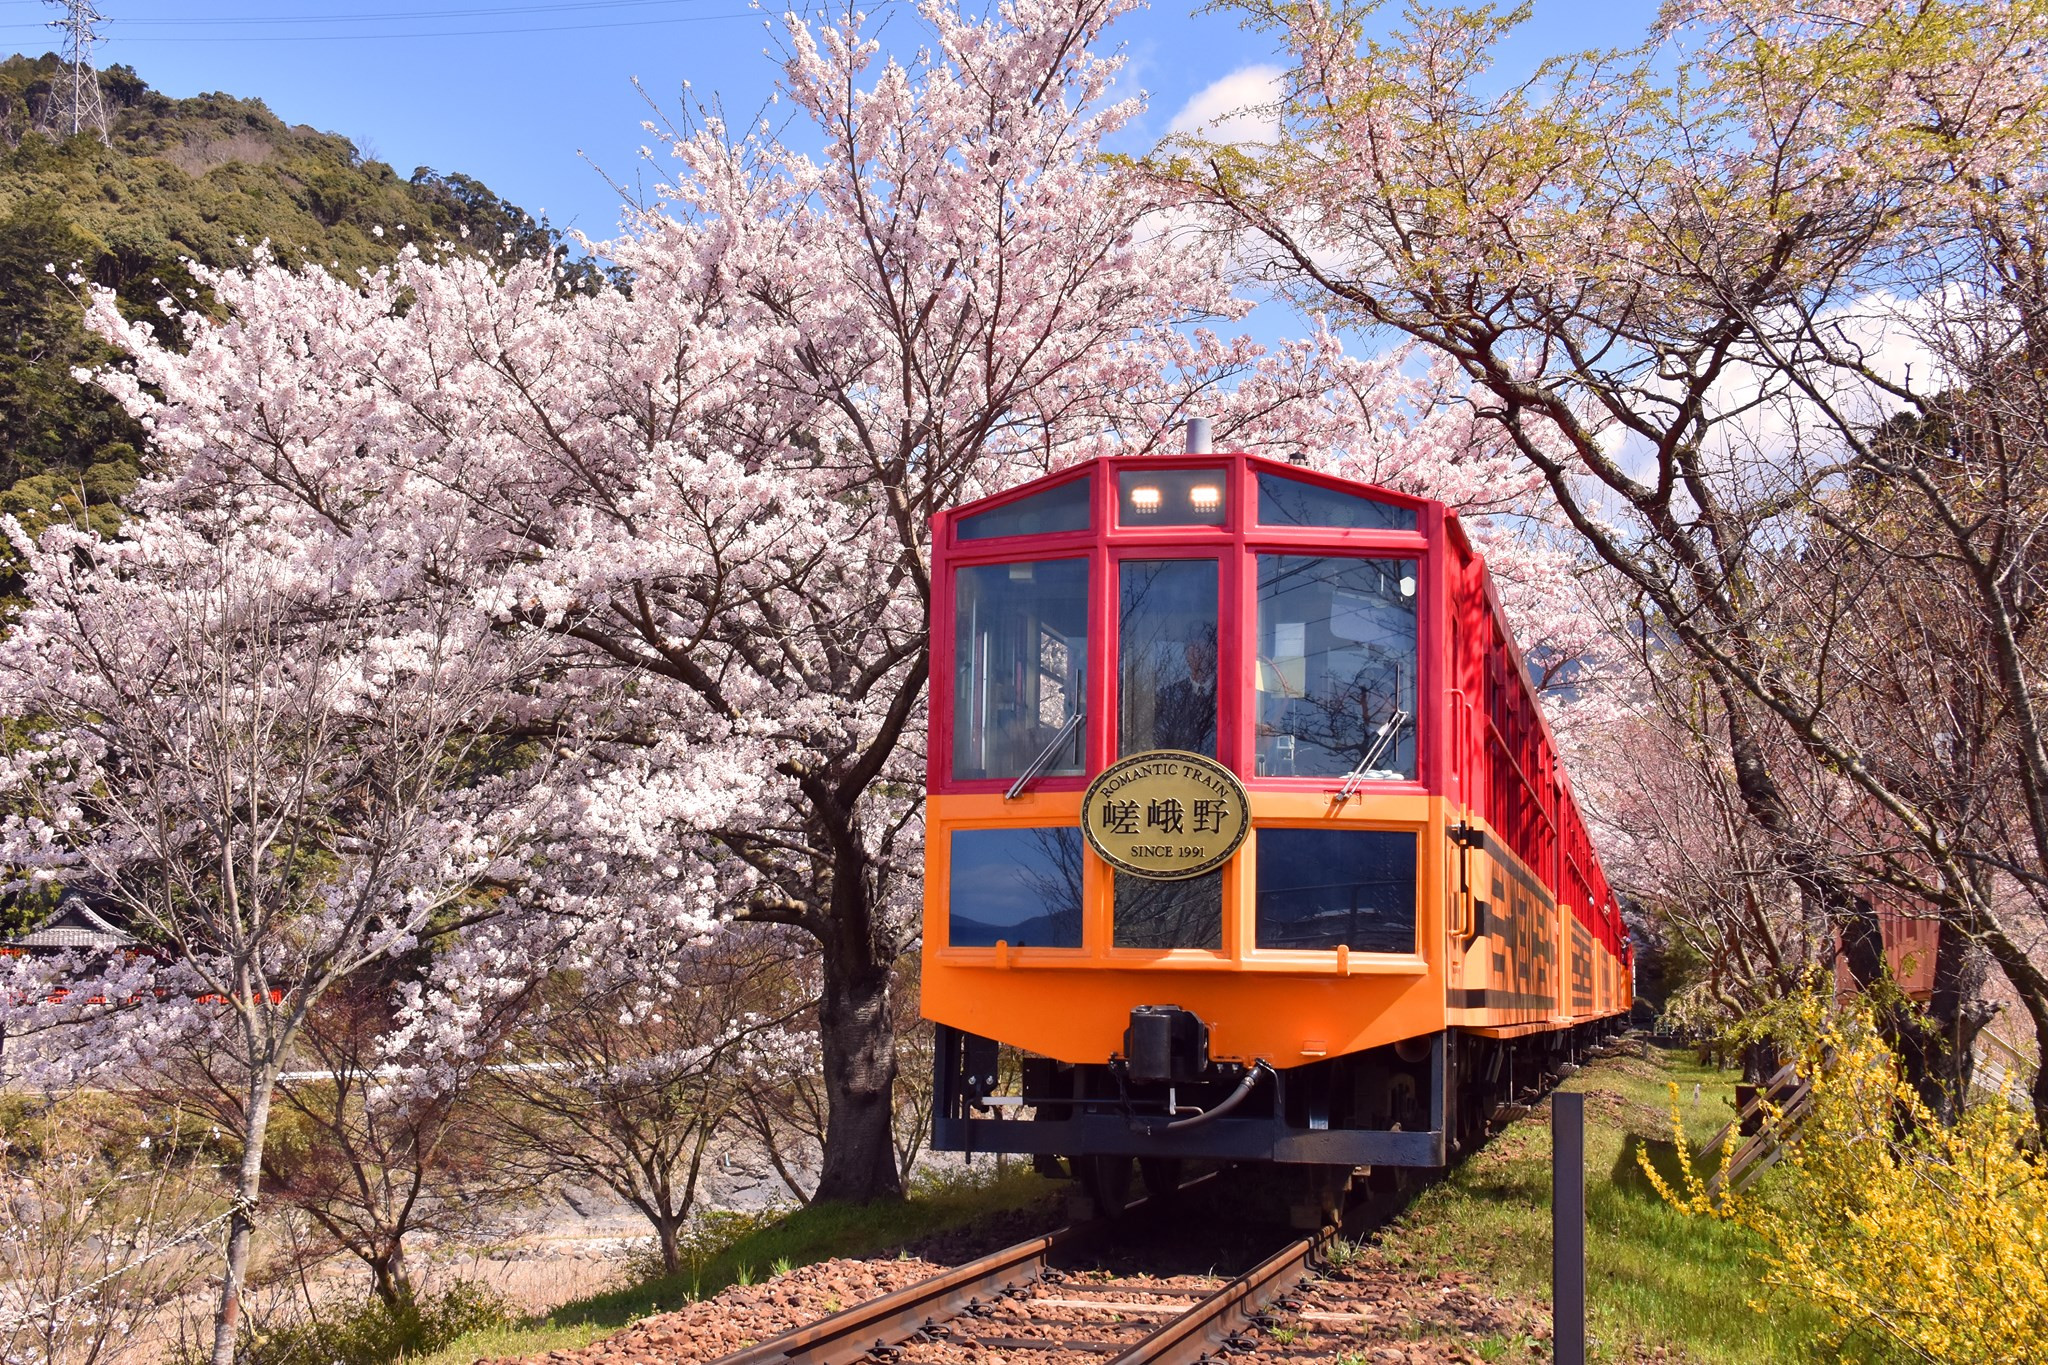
(205, 178)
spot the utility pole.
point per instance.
(80, 27)
(1568, 1227)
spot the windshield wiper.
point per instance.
(1380, 744)
(1044, 759)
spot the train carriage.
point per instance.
(1243, 826)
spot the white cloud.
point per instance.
(1897, 338)
(1228, 110)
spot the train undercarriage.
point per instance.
(1416, 1104)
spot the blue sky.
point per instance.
(534, 96)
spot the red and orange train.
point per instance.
(1244, 826)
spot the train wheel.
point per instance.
(1394, 1181)
(1473, 1113)
(1162, 1176)
(1107, 1180)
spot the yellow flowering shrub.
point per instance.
(1934, 1238)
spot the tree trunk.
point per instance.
(859, 1043)
(2040, 1093)
(1952, 1025)
(242, 1222)
(389, 1278)
(2037, 1011)
(2032, 989)
(668, 1232)
(1862, 941)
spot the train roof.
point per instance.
(1454, 526)
(1163, 460)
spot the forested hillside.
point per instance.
(205, 178)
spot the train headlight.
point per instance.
(1145, 498)
(1205, 497)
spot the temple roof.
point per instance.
(73, 924)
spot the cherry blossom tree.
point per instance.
(370, 1161)
(274, 765)
(1703, 877)
(718, 484)
(1689, 280)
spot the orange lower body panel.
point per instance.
(1492, 951)
(1286, 1007)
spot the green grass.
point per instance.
(1655, 1277)
(806, 1235)
(515, 1339)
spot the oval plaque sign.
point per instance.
(1165, 814)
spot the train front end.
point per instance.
(1185, 832)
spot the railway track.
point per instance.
(1019, 1303)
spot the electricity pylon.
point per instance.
(81, 106)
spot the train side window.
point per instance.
(1064, 508)
(1183, 914)
(1326, 888)
(1020, 886)
(1292, 502)
(1336, 668)
(1166, 665)
(1020, 666)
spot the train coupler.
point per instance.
(1166, 1045)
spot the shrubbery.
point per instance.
(375, 1333)
(1932, 1237)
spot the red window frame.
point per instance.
(1234, 545)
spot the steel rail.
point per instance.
(1195, 1335)
(868, 1328)
(853, 1334)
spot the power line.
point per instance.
(415, 34)
(80, 27)
(295, 20)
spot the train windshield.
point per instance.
(1166, 655)
(1020, 667)
(1336, 667)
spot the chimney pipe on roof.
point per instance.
(1198, 436)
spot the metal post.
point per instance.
(1568, 1227)
(1198, 436)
